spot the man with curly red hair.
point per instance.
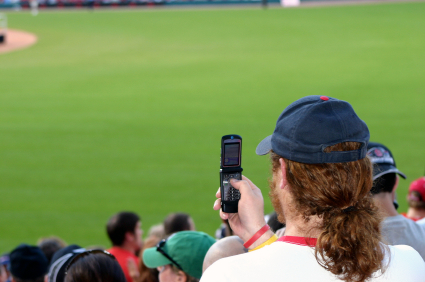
(321, 189)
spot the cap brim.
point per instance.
(265, 146)
(152, 258)
(381, 169)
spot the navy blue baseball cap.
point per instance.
(311, 124)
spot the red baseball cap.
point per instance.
(419, 186)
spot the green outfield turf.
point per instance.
(124, 110)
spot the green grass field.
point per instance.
(124, 110)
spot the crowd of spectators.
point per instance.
(335, 214)
(55, 261)
(93, 3)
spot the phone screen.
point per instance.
(231, 154)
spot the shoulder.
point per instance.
(421, 222)
(234, 268)
(222, 269)
(113, 250)
(274, 260)
(404, 253)
(246, 258)
(401, 224)
(396, 218)
(400, 218)
(120, 253)
(404, 263)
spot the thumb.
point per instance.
(242, 185)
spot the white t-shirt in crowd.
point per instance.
(398, 230)
(293, 260)
(421, 222)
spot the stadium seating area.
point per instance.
(25, 4)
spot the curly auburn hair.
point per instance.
(349, 244)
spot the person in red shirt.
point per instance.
(416, 199)
(125, 232)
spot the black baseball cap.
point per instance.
(28, 262)
(311, 124)
(382, 160)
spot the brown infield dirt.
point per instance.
(16, 39)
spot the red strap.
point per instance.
(257, 235)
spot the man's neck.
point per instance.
(384, 201)
(128, 248)
(297, 226)
(415, 213)
(295, 223)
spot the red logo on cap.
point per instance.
(378, 153)
(324, 98)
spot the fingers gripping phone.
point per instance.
(230, 167)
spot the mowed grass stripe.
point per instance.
(124, 110)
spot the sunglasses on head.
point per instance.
(159, 249)
(84, 254)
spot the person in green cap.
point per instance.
(180, 257)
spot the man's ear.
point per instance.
(129, 236)
(283, 182)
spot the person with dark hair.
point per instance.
(396, 229)
(94, 266)
(176, 222)
(124, 231)
(416, 199)
(179, 258)
(28, 264)
(320, 187)
(50, 245)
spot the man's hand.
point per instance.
(250, 216)
(133, 270)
